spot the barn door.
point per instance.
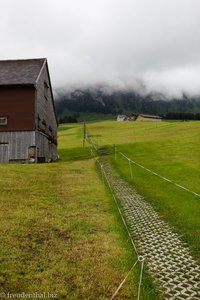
(4, 153)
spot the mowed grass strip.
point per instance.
(61, 231)
(172, 150)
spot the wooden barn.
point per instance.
(151, 118)
(28, 125)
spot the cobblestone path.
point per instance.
(166, 257)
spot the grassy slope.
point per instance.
(60, 229)
(170, 149)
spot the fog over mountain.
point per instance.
(123, 45)
(97, 103)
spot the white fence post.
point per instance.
(141, 259)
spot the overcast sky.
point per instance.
(121, 43)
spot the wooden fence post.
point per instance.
(131, 172)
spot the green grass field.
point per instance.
(61, 231)
(172, 150)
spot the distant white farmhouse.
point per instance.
(121, 118)
(151, 118)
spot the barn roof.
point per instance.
(20, 72)
(150, 116)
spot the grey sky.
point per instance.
(116, 42)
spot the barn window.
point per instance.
(3, 120)
(46, 90)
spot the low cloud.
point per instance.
(124, 44)
(174, 82)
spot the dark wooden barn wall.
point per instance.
(18, 105)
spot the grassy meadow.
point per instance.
(172, 150)
(61, 231)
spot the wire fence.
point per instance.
(140, 259)
(130, 162)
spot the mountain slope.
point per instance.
(80, 103)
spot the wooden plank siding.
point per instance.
(47, 151)
(17, 146)
(45, 107)
(46, 123)
(4, 153)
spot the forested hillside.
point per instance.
(95, 102)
